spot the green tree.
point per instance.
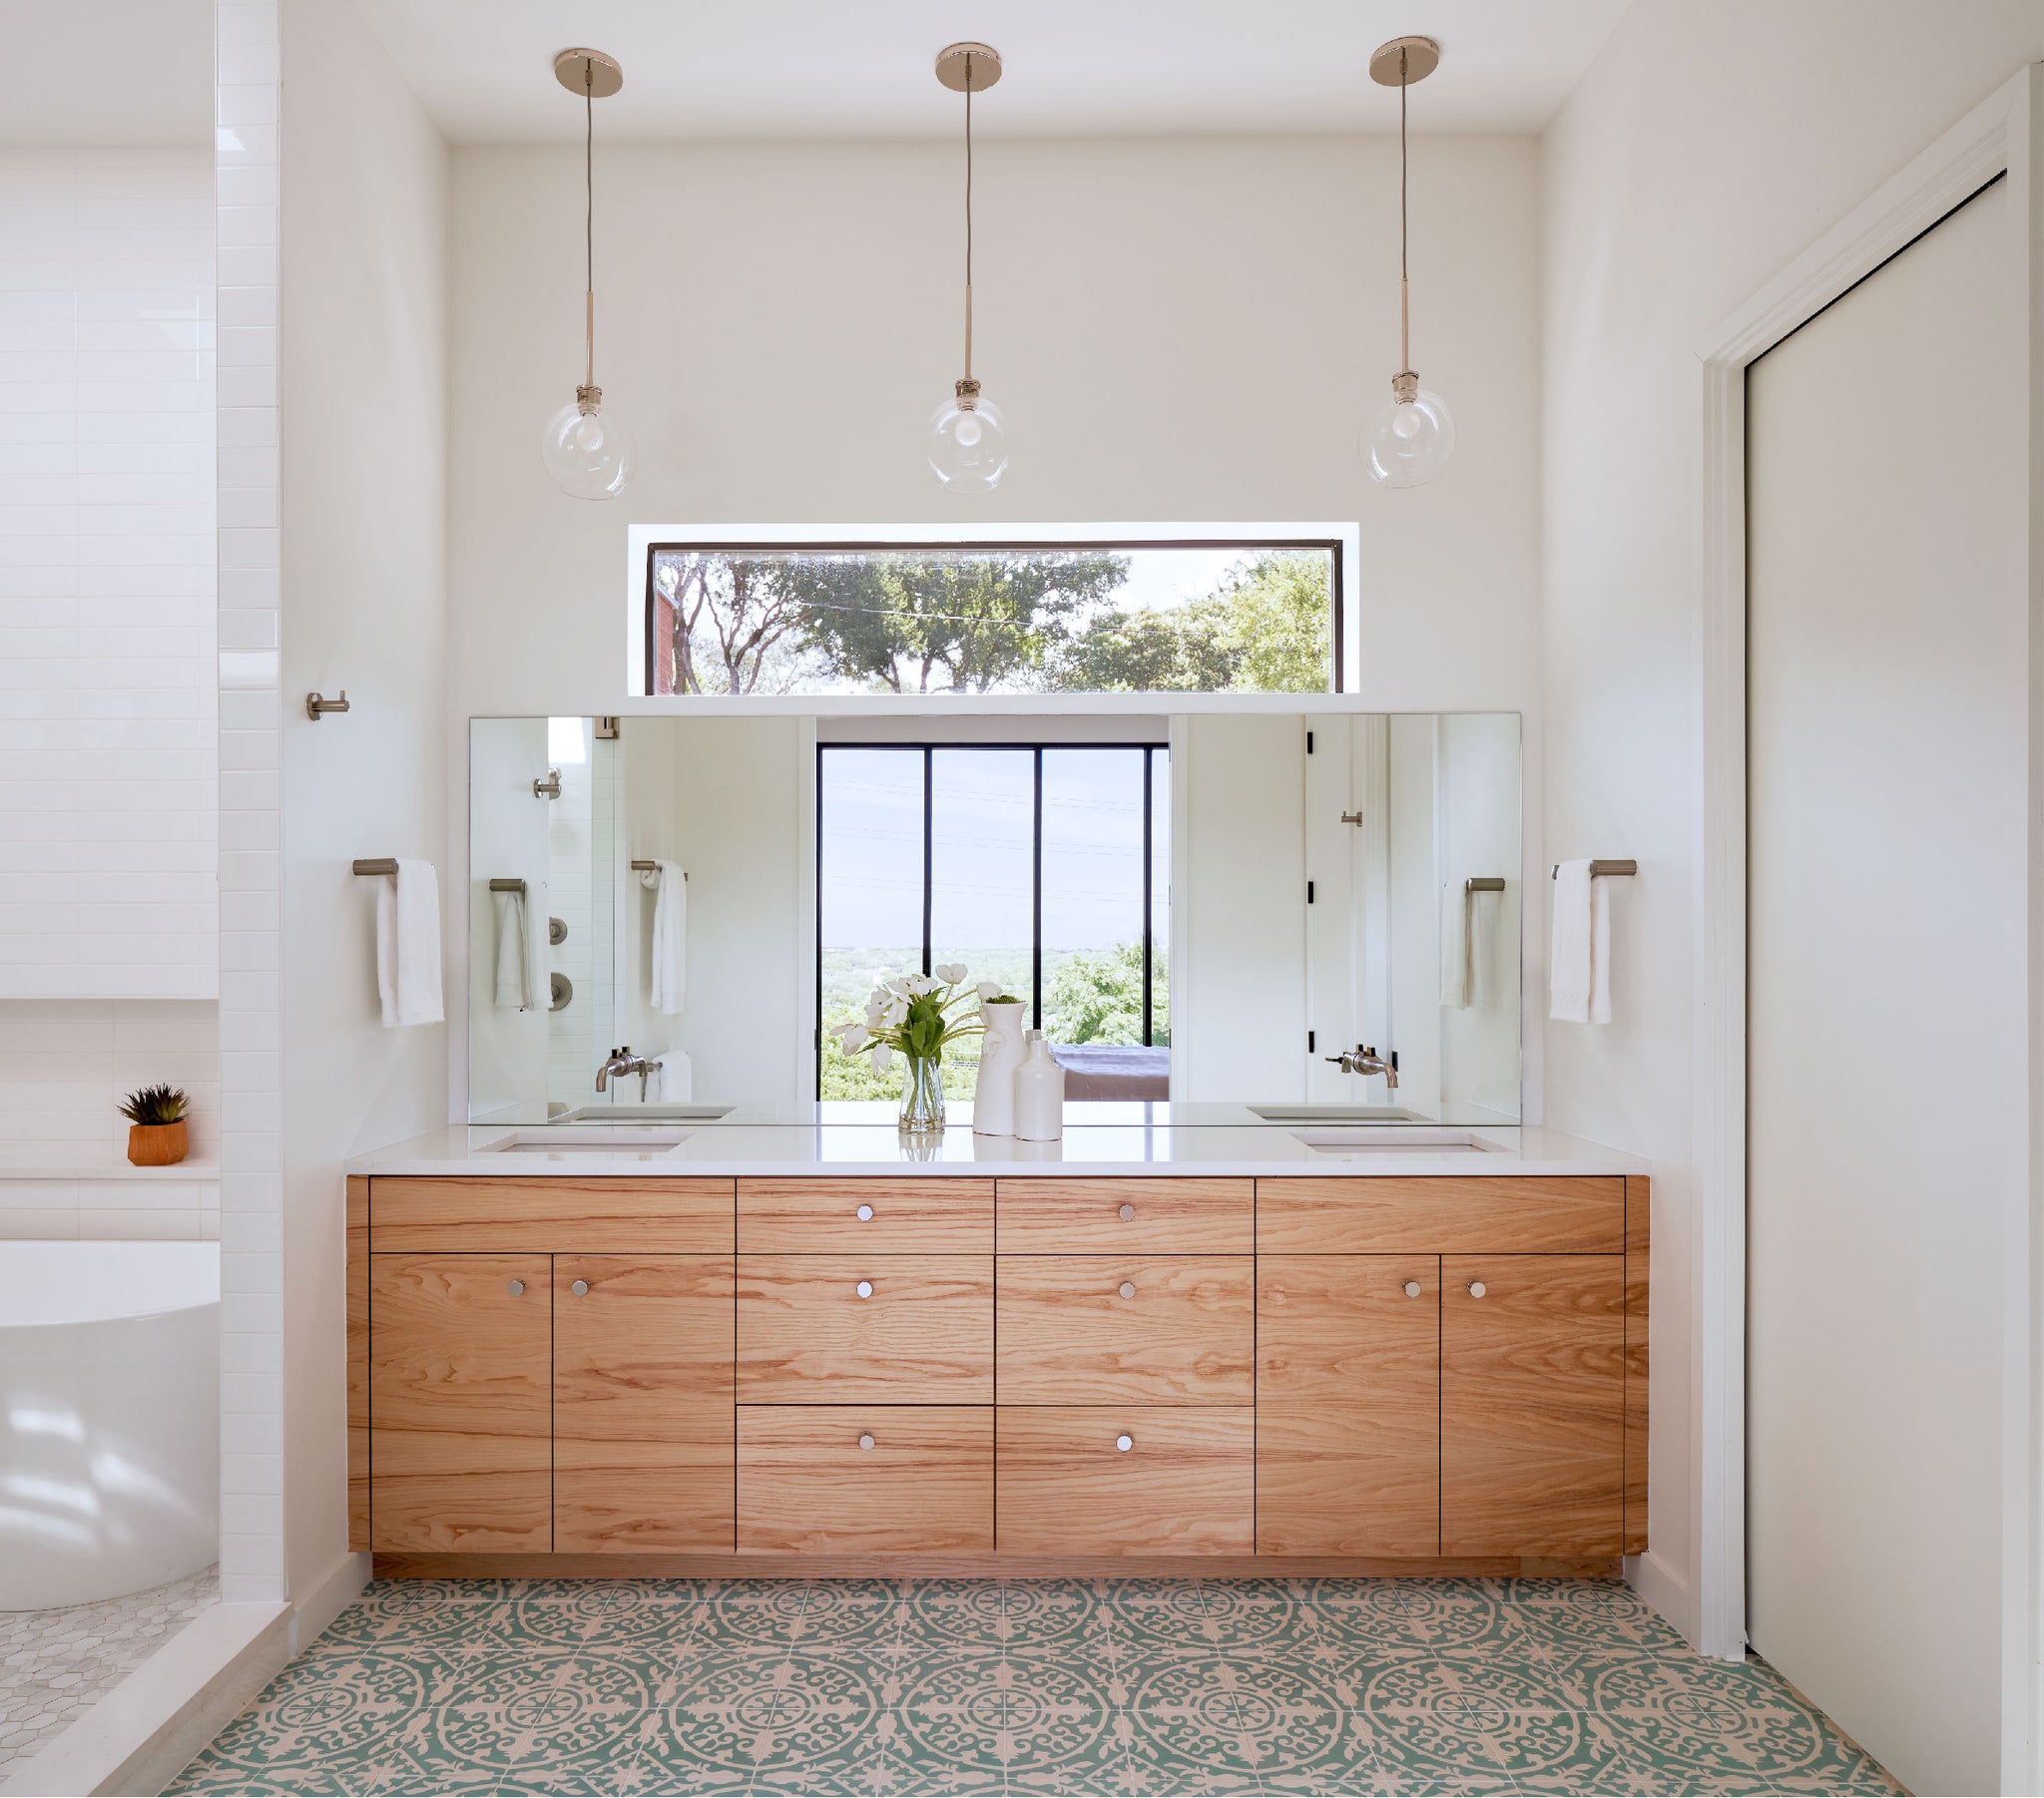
(1096, 997)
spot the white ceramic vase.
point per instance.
(1039, 1094)
(1000, 1055)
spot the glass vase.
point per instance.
(922, 1094)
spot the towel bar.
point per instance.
(382, 864)
(652, 867)
(1483, 883)
(1601, 867)
(507, 886)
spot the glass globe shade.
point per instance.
(589, 454)
(968, 446)
(1409, 441)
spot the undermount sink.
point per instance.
(622, 1141)
(1395, 1138)
(691, 1114)
(1334, 1114)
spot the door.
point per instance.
(644, 1452)
(1348, 1394)
(460, 1403)
(1532, 1405)
(1886, 1099)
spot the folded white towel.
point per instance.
(408, 945)
(514, 992)
(668, 969)
(1579, 954)
(672, 1081)
(1457, 907)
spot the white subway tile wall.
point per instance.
(246, 112)
(108, 817)
(66, 1064)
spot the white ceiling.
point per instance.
(106, 72)
(862, 68)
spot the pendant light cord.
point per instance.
(589, 215)
(968, 214)
(1404, 287)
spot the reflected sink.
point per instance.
(625, 1142)
(1334, 1114)
(692, 1113)
(1397, 1138)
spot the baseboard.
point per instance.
(332, 1593)
(145, 1731)
(1665, 1591)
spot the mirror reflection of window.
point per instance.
(869, 910)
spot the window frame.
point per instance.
(1148, 749)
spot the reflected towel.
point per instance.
(672, 1081)
(514, 959)
(1579, 953)
(1458, 905)
(667, 975)
(408, 945)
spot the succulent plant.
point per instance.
(155, 1105)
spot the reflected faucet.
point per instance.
(622, 1060)
(1350, 1060)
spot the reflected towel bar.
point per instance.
(1484, 883)
(1601, 867)
(382, 864)
(652, 867)
(507, 886)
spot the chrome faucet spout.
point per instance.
(1368, 1062)
(622, 1060)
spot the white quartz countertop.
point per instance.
(1134, 1148)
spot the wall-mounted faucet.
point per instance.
(1355, 1061)
(550, 788)
(622, 1060)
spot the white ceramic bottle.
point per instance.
(1039, 1094)
(1000, 1055)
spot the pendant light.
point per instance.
(1407, 443)
(968, 436)
(587, 449)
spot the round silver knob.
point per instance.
(1128, 1289)
(866, 1213)
(1128, 1213)
(1412, 1288)
(1477, 1288)
(865, 1442)
(865, 1289)
(516, 1288)
(1125, 1443)
(579, 1289)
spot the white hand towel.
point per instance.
(408, 945)
(1485, 911)
(514, 959)
(538, 948)
(674, 1079)
(1579, 953)
(1457, 903)
(668, 969)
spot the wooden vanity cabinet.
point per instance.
(865, 1479)
(866, 1329)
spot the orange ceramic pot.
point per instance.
(156, 1144)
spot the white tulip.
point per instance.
(951, 973)
(988, 989)
(897, 1013)
(882, 1055)
(855, 1038)
(843, 1029)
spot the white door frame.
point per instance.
(1996, 138)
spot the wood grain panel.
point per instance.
(1187, 1486)
(810, 1216)
(1416, 1215)
(924, 1336)
(1638, 1228)
(1532, 1405)
(643, 1408)
(461, 1400)
(455, 1216)
(358, 1307)
(926, 1486)
(1171, 1217)
(1348, 1405)
(1067, 1336)
(781, 1564)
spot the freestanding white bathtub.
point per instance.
(109, 1418)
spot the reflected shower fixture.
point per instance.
(1408, 442)
(586, 449)
(968, 436)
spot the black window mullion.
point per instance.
(929, 854)
(1036, 898)
(1149, 805)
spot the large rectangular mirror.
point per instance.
(1200, 910)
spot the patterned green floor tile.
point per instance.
(1443, 1750)
(1041, 1723)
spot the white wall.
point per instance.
(507, 831)
(364, 406)
(1683, 174)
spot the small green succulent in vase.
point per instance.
(157, 1137)
(915, 1015)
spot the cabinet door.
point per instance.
(881, 1329)
(1147, 1215)
(867, 1478)
(1124, 1480)
(1532, 1404)
(1348, 1427)
(643, 1417)
(1146, 1329)
(460, 1403)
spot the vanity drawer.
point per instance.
(881, 1478)
(1161, 1216)
(903, 1217)
(453, 1216)
(1128, 1329)
(922, 1332)
(1185, 1485)
(1404, 1215)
